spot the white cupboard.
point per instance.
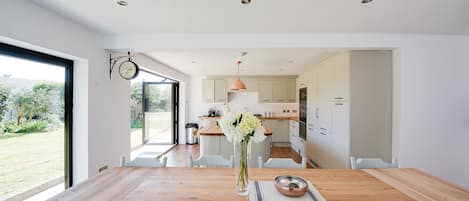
(220, 91)
(274, 89)
(341, 100)
(280, 129)
(214, 90)
(266, 91)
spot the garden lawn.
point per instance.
(30, 160)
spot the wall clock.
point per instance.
(128, 70)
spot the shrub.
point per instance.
(26, 127)
(135, 124)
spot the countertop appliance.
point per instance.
(303, 113)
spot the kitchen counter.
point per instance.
(216, 131)
(294, 118)
(213, 142)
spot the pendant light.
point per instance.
(238, 85)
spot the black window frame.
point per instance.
(23, 53)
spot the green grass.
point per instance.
(159, 128)
(30, 160)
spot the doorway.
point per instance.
(154, 114)
(160, 116)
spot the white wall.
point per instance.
(101, 116)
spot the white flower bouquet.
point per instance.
(240, 129)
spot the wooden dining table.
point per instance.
(218, 184)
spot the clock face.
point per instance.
(128, 70)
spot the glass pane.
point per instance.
(31, 127)
(158, 113)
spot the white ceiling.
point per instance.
(267, 16)
(256, 62)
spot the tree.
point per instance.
(4, 100)
(44, 100)
(56, 96)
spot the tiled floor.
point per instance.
(179, 155)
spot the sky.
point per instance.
(26, 69)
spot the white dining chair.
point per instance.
(145, 162)
(211, 161)
(281, 163)
(371, 163)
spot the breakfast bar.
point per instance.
(213, 142)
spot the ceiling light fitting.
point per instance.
(245, 1)
(238, 85)
(122, 3)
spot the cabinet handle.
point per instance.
(339, 98)
(339, 104)
(323, 133)
(323, 129)
(266, 100)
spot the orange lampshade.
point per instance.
(238, 85)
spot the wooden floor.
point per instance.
(179, 155)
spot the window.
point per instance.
(35, 122)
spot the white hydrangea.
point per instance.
(249, 124)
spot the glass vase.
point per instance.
(241, 158)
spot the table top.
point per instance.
(132, 183)
(216, 131)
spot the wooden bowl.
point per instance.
(291, 186)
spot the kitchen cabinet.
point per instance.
(296, 142)
(279, 91)
(292, 90)
(281, 131)
(219, 145)
(335, 128)
(265, 91)
(220, 94)
(208, 90)
(214, 90)
(275, 89)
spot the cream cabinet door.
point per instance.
(208, 90)
(291, 90)
(280, 91)
(220, 93)
(265, 91)
(281, 131)
(252, 85)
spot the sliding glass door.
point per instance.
(154, 110)
(160, 112)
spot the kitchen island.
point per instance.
(213, 142)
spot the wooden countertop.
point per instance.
(213, 184)
(216, 131)
(419, 185)
(294, 118)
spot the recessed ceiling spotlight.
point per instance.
(366, 1)
(122, 3)
(245, 1)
